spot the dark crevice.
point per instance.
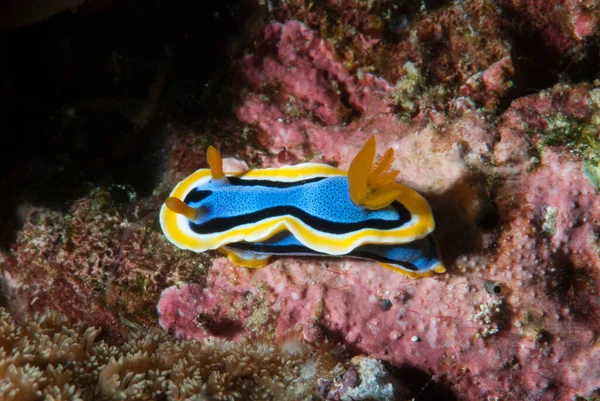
(539, 67)
(406, 12)
(421, 386)
(573, 288)
(350, 111)
(220, 326)
(78, 109)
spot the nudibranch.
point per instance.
(308, 209)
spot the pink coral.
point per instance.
(288, 108)
(489, 86)
(196, 312)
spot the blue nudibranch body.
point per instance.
(306, 210)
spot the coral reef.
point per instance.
(493, 110)
(96, 255)
(500, 221)
(48, 357)
(443, 41)
(562, 25)
(366, 379)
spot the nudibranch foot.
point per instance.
(416, 259)
(245, 258)
(373, 184)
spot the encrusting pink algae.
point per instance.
(513, 178)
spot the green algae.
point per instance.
(569, 131)
(581, 136)
(591, 171)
